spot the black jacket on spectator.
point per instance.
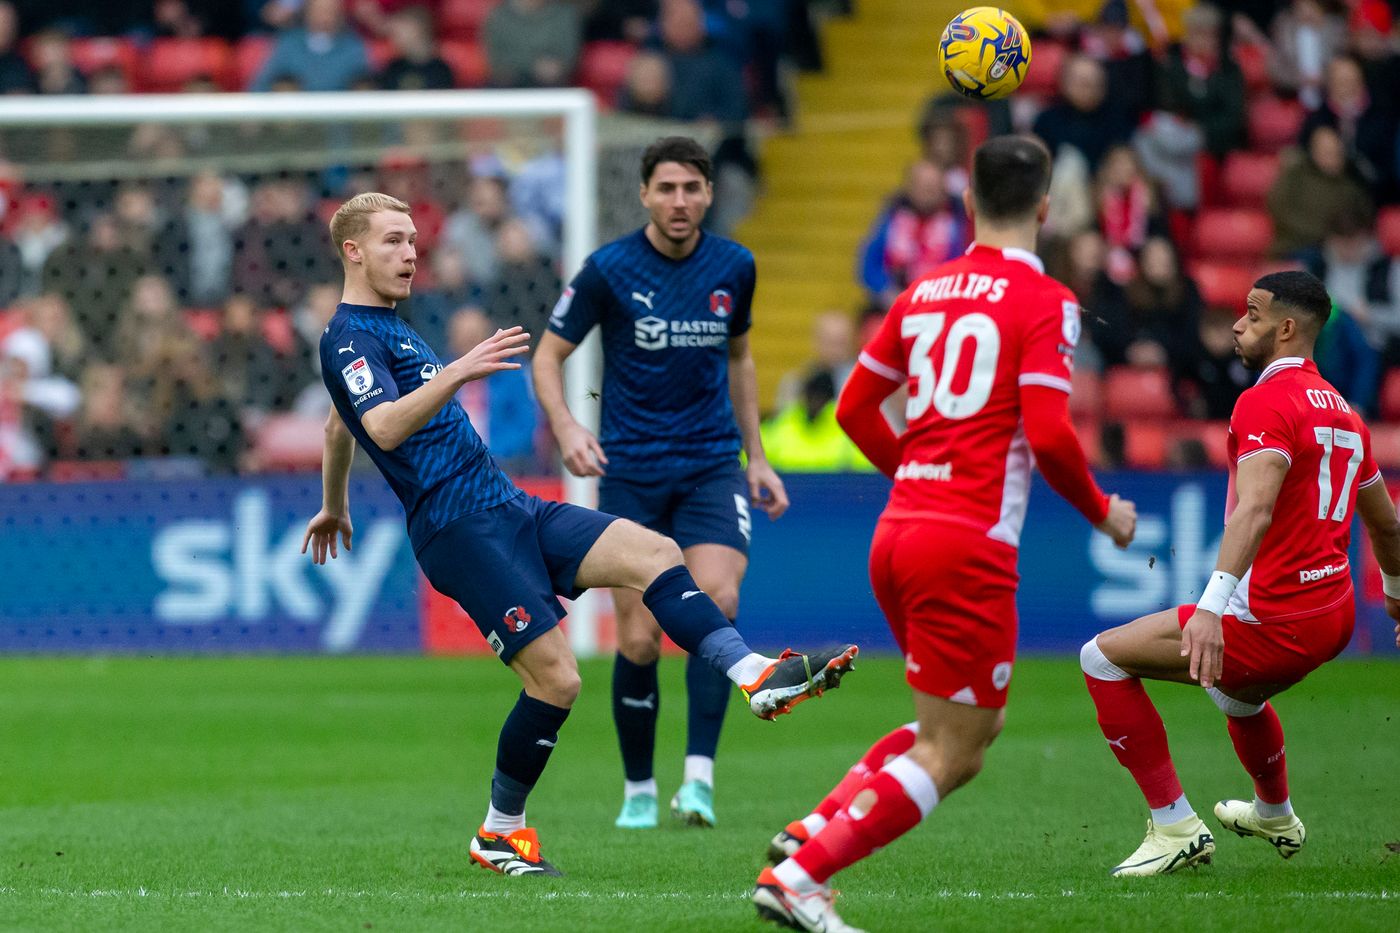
(1371, 147)
(15, 75)
(1216, 102)
(1148, 313)
(11, 273)
(1091, 133)
(707, 85)
(404, 75)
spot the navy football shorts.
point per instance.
(705, 506)
(505, 565)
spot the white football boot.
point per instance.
(1285, 833)
(1169, 848)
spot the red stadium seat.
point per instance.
(86, 471)
(248, 57)
(1224, 285)
(1145, 445)
(1232, 233)
(288, 443)
(170, 64)
(1043, 77)
(1086, 399)
(1390, 396)
(1138, 392)
(1385, 445)
(1388, 229)
(204, 322)
(379, 52)
(278, 331)
(463, 19)
(89, 55)
(467, 61)
(1247, 178)
(1274, 123)
(1090, 434)
(602, 68)
(10, 321)
(1254, 63)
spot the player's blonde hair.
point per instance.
(351, 219)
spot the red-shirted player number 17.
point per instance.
(936, 388)
(1331, 438)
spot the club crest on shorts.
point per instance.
(721, 303)
(359, 378)
(1001, 675)
(517, 619)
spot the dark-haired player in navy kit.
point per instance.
(679, 401)
(503, 555)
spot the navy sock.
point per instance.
(636, 703)
(707, 692)
(693, 620)
(527, 738)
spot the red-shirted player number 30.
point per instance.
(936, 388)
(1331, 438)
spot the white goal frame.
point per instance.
(576, 107)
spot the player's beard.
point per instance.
(1257, 357)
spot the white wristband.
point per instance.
(1218, 592)
(1391, 585)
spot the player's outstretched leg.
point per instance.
(1257, 735)
(886, 749)
(626, 554)
(504, 843)
(1176, 836)
(892, 800)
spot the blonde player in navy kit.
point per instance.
(503, 555)
(679, 401)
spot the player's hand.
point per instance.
(766, 490)
(1121, 523)
(321, 532)
(1204, 641)
(583, 455)
(493, 354)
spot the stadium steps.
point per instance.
(827, 178)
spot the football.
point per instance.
(984, 53)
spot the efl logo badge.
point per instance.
(961, 32)
(1071, 325)
(496, 644)
(517, 619)
(1001, 675)
(359, 378)
(561, 307)
(721, 303)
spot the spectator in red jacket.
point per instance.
(921, 228)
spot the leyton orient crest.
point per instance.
(721, 303)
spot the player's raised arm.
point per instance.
(391, 423)
(1378, 515)
(580, 450)
(1061, 461)
(334, 517)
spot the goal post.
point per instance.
(384, 120)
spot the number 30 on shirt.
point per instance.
(936, 386)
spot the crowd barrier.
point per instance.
(215, 566)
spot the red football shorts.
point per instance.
(949, 594)
(1263, 653)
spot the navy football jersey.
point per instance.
(666, 326)
(442, 471)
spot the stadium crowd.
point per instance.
(168, 323)
(1263, 137)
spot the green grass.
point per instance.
(338, 794)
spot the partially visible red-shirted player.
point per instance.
(1280, 601)
(986, 343)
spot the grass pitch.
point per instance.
(339, 794)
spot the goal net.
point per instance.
(165, 272)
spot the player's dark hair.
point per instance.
(1010, 175)
(680, 149)
(1300, 292)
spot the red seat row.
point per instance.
(170, 65)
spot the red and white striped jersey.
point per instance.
(967, 337)
(1301, 568)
